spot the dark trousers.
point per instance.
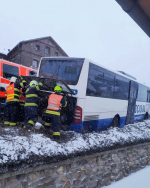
(6, 113)
(55, 121)
(31, 115)
(21, 113)
(11, 113)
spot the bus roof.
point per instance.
(119, 73)
(116, 72)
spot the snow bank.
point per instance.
(37, 146)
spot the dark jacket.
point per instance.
(32, 95)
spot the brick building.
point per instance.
(29, 52)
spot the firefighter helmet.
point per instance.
(13, 79)
(58, 89)
(34, 83)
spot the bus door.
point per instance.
(133, 91)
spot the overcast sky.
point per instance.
(99, 30)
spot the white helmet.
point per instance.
(34, 83)
(13, 79)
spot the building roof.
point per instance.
(26, 41)
(139, 11)
(2, 55)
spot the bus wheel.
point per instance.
(146, 116)
(115, 121)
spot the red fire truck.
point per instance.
(7, 70)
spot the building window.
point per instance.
(56, 53)
(37, 47)
(47, 50)
(34, 64)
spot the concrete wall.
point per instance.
(90, 171)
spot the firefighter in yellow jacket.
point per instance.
(12, 101)
(55, 102)
(31, 103)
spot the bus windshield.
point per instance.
(66, 70)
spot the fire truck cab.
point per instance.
(7, 70)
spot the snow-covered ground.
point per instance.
(19, 145)
(139, 179)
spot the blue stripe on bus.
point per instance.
(77, 127)
(104, 123)
(139, 117)
(101, 124)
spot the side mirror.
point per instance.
(2, 89)
(32, 73)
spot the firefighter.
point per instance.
(52, 114)
(31, 103)
(21, 107)
(12, 101)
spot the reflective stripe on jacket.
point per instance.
(12, 93)
(54, 102)
(32, 95)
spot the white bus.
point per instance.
(104, 97)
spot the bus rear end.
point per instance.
(71, 71)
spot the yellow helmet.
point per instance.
(58, 89)
(33, 83)
(13, 79)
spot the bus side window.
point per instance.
(95, 82)
(148, 95)
(99, 84)
(9, 71)
(108, 86)
(142, 93)
(121, 88)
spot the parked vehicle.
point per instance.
(7, 70)
(103, 97)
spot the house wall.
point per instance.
(90, 171)
(26, 52)
(14, 55)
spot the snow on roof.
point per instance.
(3, 52)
